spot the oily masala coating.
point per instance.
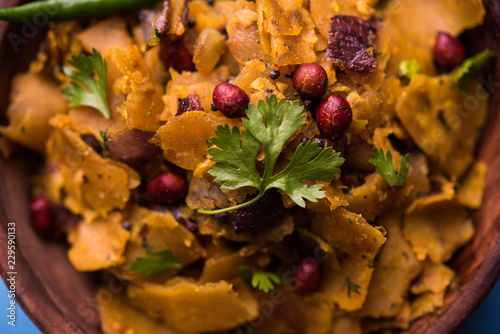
(351, 43)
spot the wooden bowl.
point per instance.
(61, 300)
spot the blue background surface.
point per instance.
(486, 320)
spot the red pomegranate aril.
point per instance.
(41, 215)
(448, 51)
(230, 100)
(334, 116)
(167, 187)
(306, 280)
(310, 80)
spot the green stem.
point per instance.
(59, 10)
(231, 208)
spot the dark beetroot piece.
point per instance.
(351, 43)
(230, 100)
(334, 116)
(91, 141)
(184, 221)
(64, 220)
(162, 22)
(155, 23)
(176, 55)
(41, 215)
(258, 215)
(167, 187)
(191, 102)
(306, 280)
(310, 80)
(448, 51)
(132, 147)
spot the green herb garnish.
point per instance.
(386, 169)
(263, 281)
(104, 144)
(352, 287)
(270, 126)
(156, 262)
(469, 70)
(84, 89)
(409, 68)
(146, 246)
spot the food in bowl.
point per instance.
(264, 167)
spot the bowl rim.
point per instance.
(49, 318)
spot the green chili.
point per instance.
(60, 10)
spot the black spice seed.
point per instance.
(213, 107)
(320, 142)
(126, 225)
(191, 23)
(274, 74)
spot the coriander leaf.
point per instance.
(157, 262)
(386, 169)
(270, 125)
(235, 159)
(83, 88)
(409, 68)
(469, 70)
(265, 281)
(309, 162)
(351, 286)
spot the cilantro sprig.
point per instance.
(469, 70)
(269, 125)
(83, 88)
(156, 262)
(263, 281)
(386, 169)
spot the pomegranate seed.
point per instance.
(167, 187)
(310, 80)
(41, 215)
(306, 280)
(230, 100)
(191, 102)
(334, 116)
(448, 51)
